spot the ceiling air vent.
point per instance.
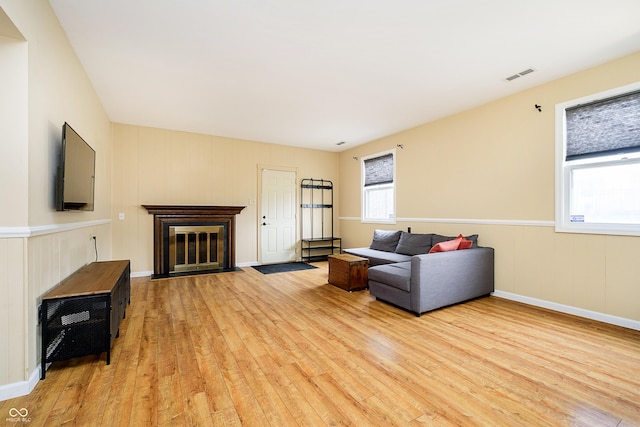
(520, 74)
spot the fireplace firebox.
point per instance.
(196, 248)
(193, 239)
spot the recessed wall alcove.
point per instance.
(193, 239)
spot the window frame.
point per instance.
(364, 190)
(564, 170)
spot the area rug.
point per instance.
(283, 268)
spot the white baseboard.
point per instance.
(21, 388)
(247, 264)
(581, 312)
(141, 273)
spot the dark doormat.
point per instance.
(283, 268)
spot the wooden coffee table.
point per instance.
(348, 272)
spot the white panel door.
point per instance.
(278, 216)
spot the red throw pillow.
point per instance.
(464, 243)
(449, 245)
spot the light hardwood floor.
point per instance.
(288, 349)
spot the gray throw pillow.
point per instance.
(384, 240)
(414, 244)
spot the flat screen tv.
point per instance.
(76, 173)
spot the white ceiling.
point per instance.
(312, 73)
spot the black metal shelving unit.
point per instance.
(316, 220)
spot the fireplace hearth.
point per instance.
(193, 239)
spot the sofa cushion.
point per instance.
(396, 275)
(437, 238)
(414, 244)
(384, 240)
(378, 257)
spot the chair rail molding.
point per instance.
(41, 230)
(515, 222)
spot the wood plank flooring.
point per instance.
(242, 348)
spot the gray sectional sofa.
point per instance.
(403, 272)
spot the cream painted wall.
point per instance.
(44, 86)
(59, 91)
(155, 166)
(491, 170)
(14, 149)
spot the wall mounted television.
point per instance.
(75, 183)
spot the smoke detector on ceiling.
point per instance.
(520, 74)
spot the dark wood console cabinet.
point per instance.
(81, 316)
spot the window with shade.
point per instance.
(598, 163)
(378, 188)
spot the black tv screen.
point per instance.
(76, 173)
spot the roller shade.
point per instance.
(378, 170)
(604, 127)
